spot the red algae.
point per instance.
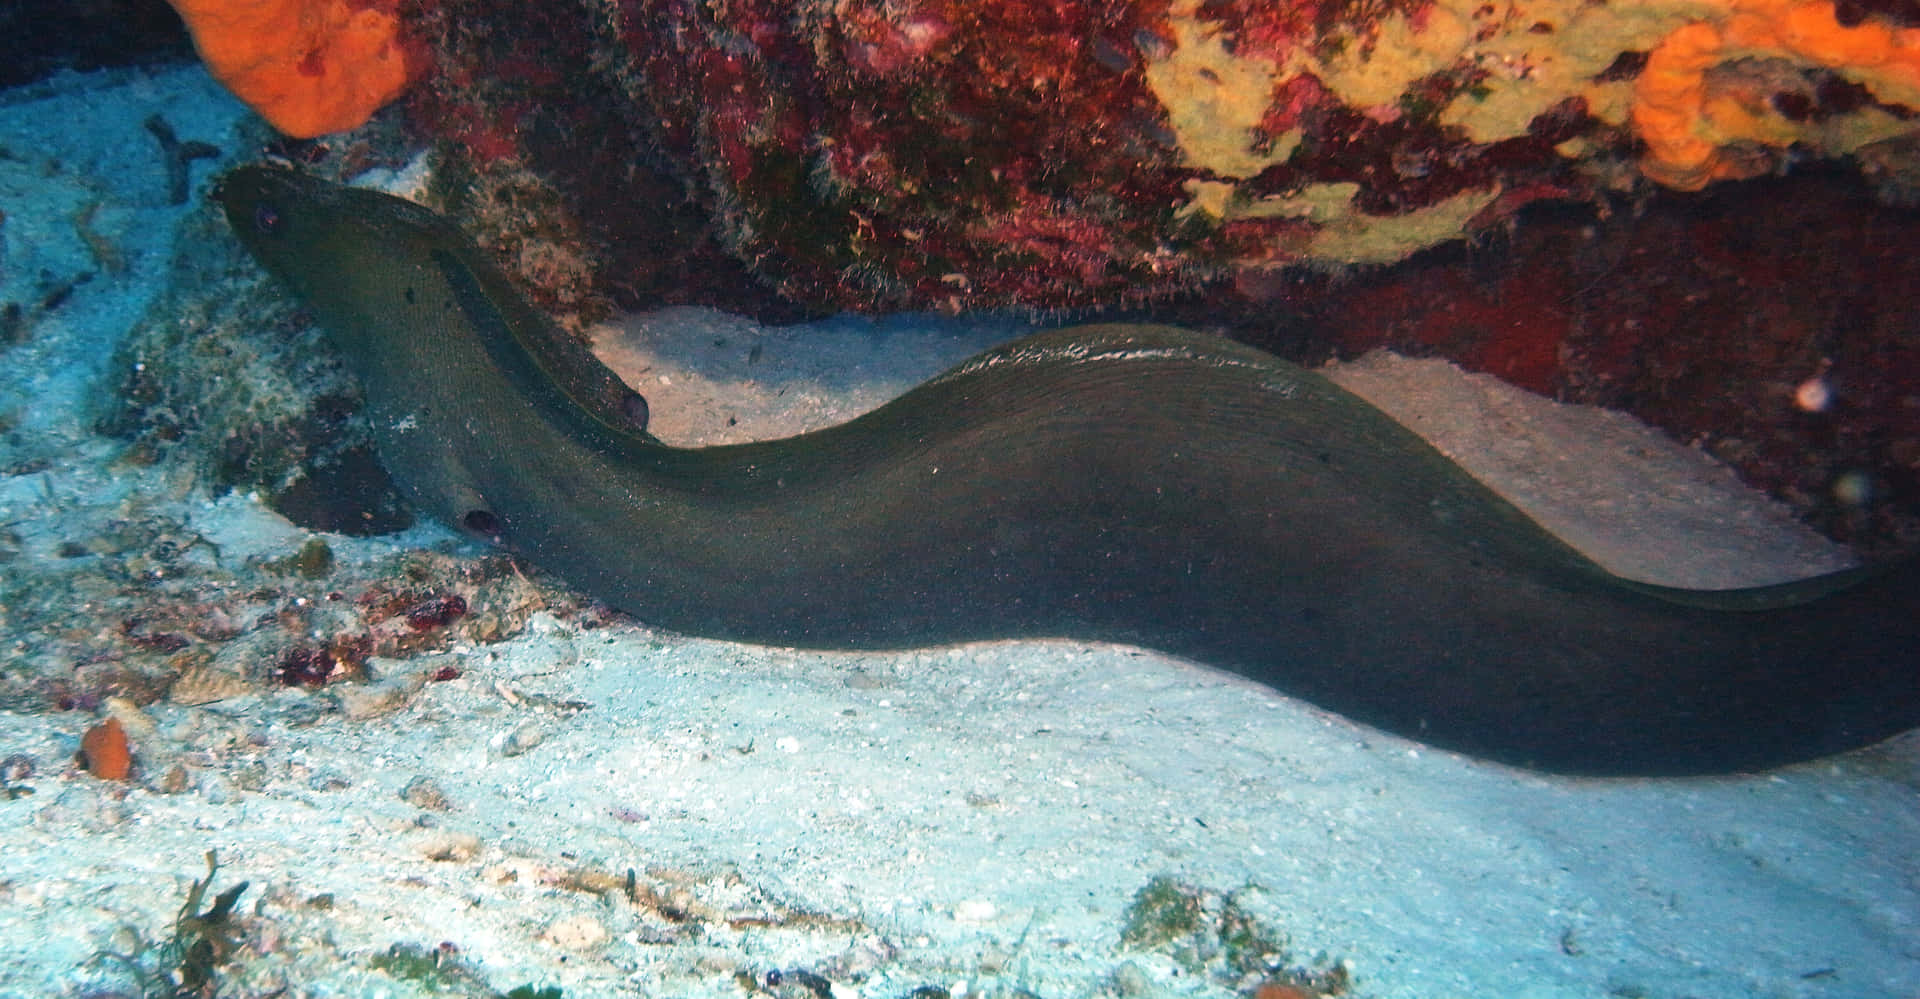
(952, 154)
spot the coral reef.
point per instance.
(1023, 153)
(1097, 152)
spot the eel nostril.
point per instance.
(482, 522)
(633, 406)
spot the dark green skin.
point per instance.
(1135, 484)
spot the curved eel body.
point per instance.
(1128, 483)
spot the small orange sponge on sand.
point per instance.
(104, 751)
(309, 67)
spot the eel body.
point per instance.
(1136, 484)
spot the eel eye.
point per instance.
(266, 218)
(633, 406)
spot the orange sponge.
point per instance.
(1688, 133)
(104, 751)
(308, 66)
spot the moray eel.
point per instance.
(1135, 484)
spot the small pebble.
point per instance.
(1132, 981)
(577, 933)
(975, 910)
(450, 847)
(217, 789)
(17, 767)
(360, 703)
(423, 792)
(172, 780)
(329, 781)
(523, 739)
(314, 560)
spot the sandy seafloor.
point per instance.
(973, 819)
